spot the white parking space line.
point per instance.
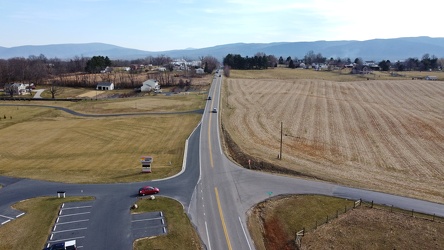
(69, 230)
(4, 222)
(66, 208)
(7, 217)
(62, 223)
(67, 239)
(74, 214)
(146, 219)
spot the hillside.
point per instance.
(376, 49)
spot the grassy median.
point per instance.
(181, 233)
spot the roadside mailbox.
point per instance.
(146, 163)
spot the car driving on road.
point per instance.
(147, 190)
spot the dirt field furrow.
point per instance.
(356, 131)
(417, 154)
(382, 135)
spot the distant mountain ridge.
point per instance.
(376, 49)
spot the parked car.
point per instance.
(215, 110)
(147, 190)
(67, 245)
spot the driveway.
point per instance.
(38, 92)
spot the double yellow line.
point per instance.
(221, 214)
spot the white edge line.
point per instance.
(19, 215)
(208, 235)
(245, 234)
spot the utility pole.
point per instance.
(280, 150)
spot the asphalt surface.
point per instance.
(215, 192)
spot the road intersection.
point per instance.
(215, 192)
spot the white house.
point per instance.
(16, 88)
(199, 71)
(431, 78)
(105, 86)
(150, 85)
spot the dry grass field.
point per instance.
(273, 224)
(44, 143)
(385, 135)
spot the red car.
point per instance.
(147, 190)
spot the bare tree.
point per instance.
(211, 63)
(55, 89)
(161, 60)
(227, 71)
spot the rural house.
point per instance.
(105, 86)
(150, 85)
(431, 78)
(15, 88)
(199, 71)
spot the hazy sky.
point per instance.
(157, 25)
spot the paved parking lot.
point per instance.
(8, 215)
(72, 223)
(147, 225)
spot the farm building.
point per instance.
(431, 78)
(150, 85)
(105, 86)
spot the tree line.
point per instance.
(82, 71)
(262, 61)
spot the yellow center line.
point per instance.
(209, 142)
(222, 219)
(209, 130)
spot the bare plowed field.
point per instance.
(381, 135)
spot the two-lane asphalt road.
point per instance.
(225, 191)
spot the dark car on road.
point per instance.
(147, 190)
